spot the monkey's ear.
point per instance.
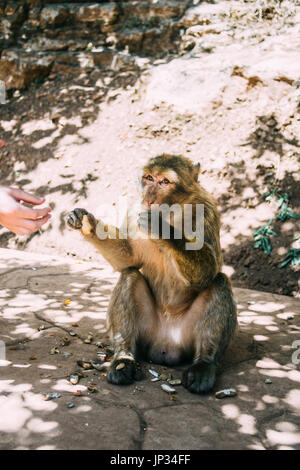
(196, 171)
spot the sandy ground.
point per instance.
(261, 365)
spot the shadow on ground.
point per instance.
(34, 290)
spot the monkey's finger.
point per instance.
(124, 376)
(75, 217)
(73, 221)
(199, 378)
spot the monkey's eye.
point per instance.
(149, 178)
(165, 181)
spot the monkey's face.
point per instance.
(168, 179)
(158, 187)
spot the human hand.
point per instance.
(16, 217)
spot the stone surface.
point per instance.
(53, 26)
(33, 292)
(17, 72)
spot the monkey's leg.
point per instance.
(117, 251)
(214, 330)
(131, 311)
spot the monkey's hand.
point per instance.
(152, 223)
(200, 377)
(124, 372)
(81, 219)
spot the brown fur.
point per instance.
(170, 304)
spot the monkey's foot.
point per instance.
(124, 372)
(81, 219)
(199, 378)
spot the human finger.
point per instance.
(20, 195)
(29, 213)
(34, 225)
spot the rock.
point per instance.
(202, 14)
(147, 12)
(61, 28)
(188, 44)
(53, 15)
(17, 72)
(107, 13)
(103, 59)
(228, 392)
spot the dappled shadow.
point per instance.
(268, 136)
(55, 110)
(244, 209)
(252, 268)
(238, 181)
(43, 289)
(34, 320)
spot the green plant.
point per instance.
(282, 200)
(270, 194)
(262, 237)
(293, 256)
(286, 213)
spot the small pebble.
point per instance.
(167, 388)
(74, 379)
(65, 341)
(52, 396)
(54, 351)
(154, 373)
(98, 366)
(228, 392)
(102, 356)
(268, 381)
(175, 382)
(67, 354)
(163, 376)
(70, 405)
(85, 365)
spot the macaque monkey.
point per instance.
(171, 305)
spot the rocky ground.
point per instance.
(229, 98)
(45, 300)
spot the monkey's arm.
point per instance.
(117, 251)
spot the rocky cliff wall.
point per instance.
(37, 37)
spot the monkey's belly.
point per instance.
(169, 356)
(164, 350)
